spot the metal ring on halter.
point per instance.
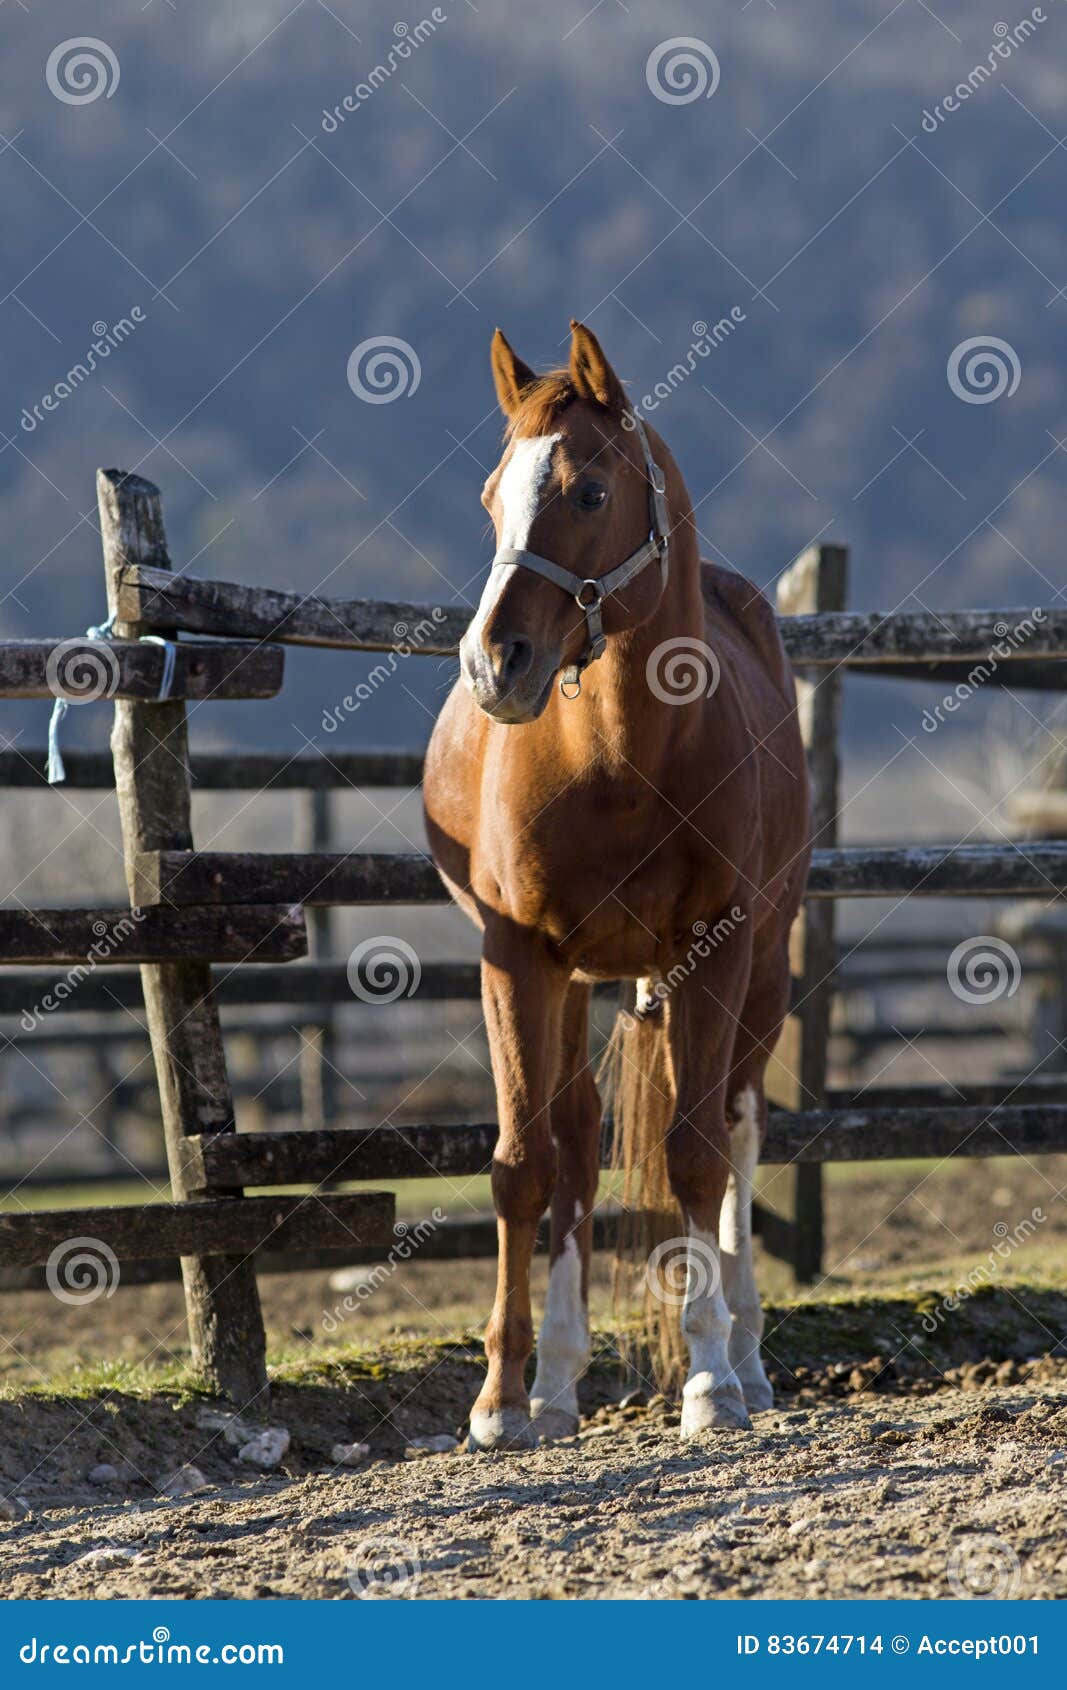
(598, 594)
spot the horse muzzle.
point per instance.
(510, 680)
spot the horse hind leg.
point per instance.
(702, 1022)
(563, 1343)
(735, 1238)
(760, 1024)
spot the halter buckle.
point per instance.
(597, 598)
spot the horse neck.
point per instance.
(623, 723)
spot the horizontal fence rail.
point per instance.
(862, 871)
(1004, 640)
(230, 771)
(815, 1135)
(236, 933)
(227, 1225)
(83, 670)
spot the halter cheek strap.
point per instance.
(589, 593)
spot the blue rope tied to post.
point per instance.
(56, 770)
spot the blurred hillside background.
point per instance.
(518, 167)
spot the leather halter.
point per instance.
(590, 592)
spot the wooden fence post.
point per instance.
(816, 582)
(313, 832)
(149, 744)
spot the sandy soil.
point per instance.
(955, 1493)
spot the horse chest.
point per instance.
(623, 907)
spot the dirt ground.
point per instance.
(953, 1494)
(918, 1448)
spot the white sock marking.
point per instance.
(563, 1345)
(735, 1233)
(705, 1317)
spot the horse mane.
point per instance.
(541, 404)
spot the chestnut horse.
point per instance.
(645, 820)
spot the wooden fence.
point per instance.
(198, 908)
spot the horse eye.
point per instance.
(592, 496)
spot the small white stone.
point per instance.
(235, 1431)
(107, 1555)
(435, 1443)
(266, 1449)
(351, 1278)
(187, 1481)
(349, 1455)
(103, 1474)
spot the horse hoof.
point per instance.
(501, 1428)
(759, 1395)
(707, 1414)
(551, 1422)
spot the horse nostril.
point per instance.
(512, 660)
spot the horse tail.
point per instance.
(637, 1075)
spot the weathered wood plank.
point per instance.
(150, 751)
(809, 1137)
(231, 771)
(891, 871)
(862, 871)
(254, 932)
(232, 1226)
(880, 1135)
(221, 607)
(84, 670)
(299, 985)
(295, 1158)
(858, 639)
(868, 639)
(321, 877)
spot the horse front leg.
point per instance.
(563, 1342)
(522, 997)
(703, 1027)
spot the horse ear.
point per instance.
(591, 374)
(511, 376)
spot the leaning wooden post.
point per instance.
(149, 743)
(313, 832)
(816, 582)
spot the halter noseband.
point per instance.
(589, 593)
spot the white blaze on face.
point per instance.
(519, 490)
